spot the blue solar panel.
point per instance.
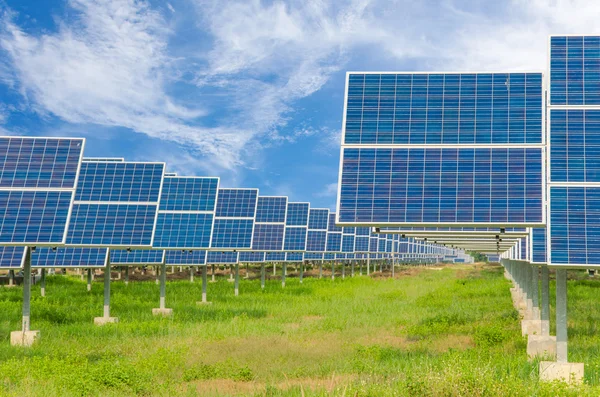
(105, 159)
(575, 145)
(524, 250)
(12, 257)
(185, 257)
(349, 230)
(37, 183)
(137, 257)
(34, 216)
(252, 256)
(119, 182)
(275, 256)
(237, 203)
(373, 244)
(340, 256)
(331, 227)
(111, 224)
(315, 256)
(232, 233)
(443, 108)
(294, 257)
(318, 219)
(268, 237)
(39, 162)
(222, 257)
(361, 244)
(271, 209)
(69, 257)
(538, 245)
(574, 225)
(183, 230)
(295, 239)
(316, 240)
(575, 70)
(450, 185)
(363, 231)
(189, 194)
(297, 214)
(328, 256)
(334, 242)
(348, 243)
(381, 246)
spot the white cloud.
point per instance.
(329, 190)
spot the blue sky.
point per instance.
(251, 91)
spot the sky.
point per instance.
(250, 91)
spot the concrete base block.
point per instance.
(25, 339)
(541, 346)
(230, 280)
(162, 312)
(203, 303)
(531, 327)
(105, 320)
(10, 285)
(567, 372)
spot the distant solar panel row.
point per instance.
(69, 257)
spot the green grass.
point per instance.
(426, 333)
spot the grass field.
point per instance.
(426, 333)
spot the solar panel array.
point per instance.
(116, 204)
(37, 185)
(574, 169)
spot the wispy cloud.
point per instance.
(329, 190)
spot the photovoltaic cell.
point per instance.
(318, 219)
(185, 257)
(469, 108)
(334, 242)
(252, 257)
(271, 209)
(361, 244)
(12, 257)
(331, 227)
(268, 237)
(363, 231)
(189, 194)
(183, 230)
(574, 70)
(237, 203)
(448, 185)
(316, 240)
(297, 214)
(232, 233)
(295, 239)
(222, 257)
(137, 257)
(575, 145)
(348, 243)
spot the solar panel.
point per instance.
(268, 236)
(185, 257)
(104, 159)
(316, 240)
(294, 257)
(297, 214)
(295, 239)
(275, 256)
(222, 257)
(12, 257)
(334, 242)
(391, 175)
(318, 219)
(331, 225)
(538, 245)
(37, 184)
(269, 228)
(361, 244)
(116, 204)
(69, 257)
(137, 257)
(234, 219)
(186, 213)
(574, 197)
(252, 257)
(271, 210)
(574, 78)
(347, 243)
(315, 256)
(442, 185)
(328, 256)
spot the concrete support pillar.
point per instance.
(283, 274)
(237, 279)
(301, 276)
(127, 275)
(352, 269)
(43, 282)
(333, 270)
(204, 285)
(368, 265)
(89, 280)
(561, 369)
(212, 274)
(11, 278)
(343, 270)
(274, 269)
(191, 274)
(262, 276)
(247, 271)
(545, 309)
(25, 337)
(320, 269)
(106, 318)
(162, 309)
